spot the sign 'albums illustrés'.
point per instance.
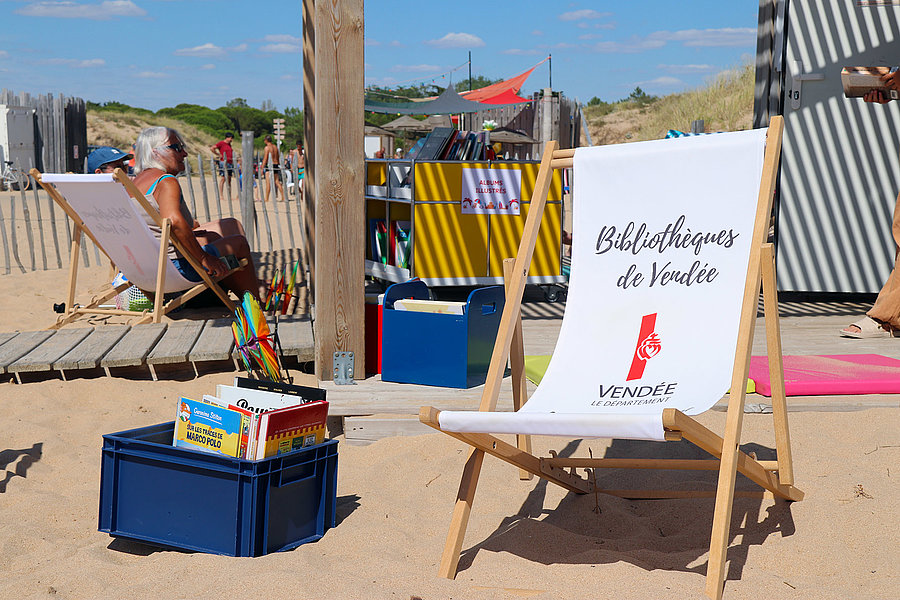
(491, 191)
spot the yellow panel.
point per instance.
(506, 233)
(448, 243)
(438, 182)
(376, 173)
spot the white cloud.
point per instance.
(371, 42)
(520, 52)
(537, 32)
(416, 68)
(729, 36)
(152, 75)
(75, 63)
(289, 77)
(397, 44)
(457, 40)
(238, 48)
(630, 46)
(664, 81)
(4, 54)
(207, 67)
(687, 68)
(282, 48)
(577, 15)
(208, 49)
(283, 38)
(101, 11)
(735, 36)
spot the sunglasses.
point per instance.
(176, 147)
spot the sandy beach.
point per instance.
(526, 539)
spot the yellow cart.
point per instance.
(420, 203)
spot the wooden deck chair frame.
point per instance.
(775, 477)
(160, 308)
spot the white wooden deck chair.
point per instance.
(101, 208)
(640, 350)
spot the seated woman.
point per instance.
(159, 156)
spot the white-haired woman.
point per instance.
(159, 156)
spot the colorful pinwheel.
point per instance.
(254, 341)
(289, 293)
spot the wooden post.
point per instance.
(308, 210)
(339, 166)
(248, 216)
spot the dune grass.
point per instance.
(725, 103)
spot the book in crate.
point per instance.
(252, 420)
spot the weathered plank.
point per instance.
(176, 344)
(42, 356)
(368, 429)
(296, 337)
(95, 346)
(215, 342)
(19, 346)
(133, 348)
(5, 337)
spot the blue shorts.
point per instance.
(184, 266)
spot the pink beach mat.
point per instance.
(837, 374)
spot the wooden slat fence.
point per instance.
(35, 235)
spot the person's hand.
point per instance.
(213, 265)
(891, 80)
(876, 96)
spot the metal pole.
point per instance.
(470, 70)
(550, 69)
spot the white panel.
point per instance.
(840, 173)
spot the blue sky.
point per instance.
(156, 53)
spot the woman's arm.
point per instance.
(168, 196)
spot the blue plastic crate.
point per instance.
(153, 492)
(439, 349)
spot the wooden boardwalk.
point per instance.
(67, 351)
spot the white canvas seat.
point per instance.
(669, 247)
(101, 207)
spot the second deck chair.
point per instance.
(101, 207)
(669, 246)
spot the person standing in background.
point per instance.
(273, 154)
(883, 319)
(224, 154)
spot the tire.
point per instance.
(551, 294)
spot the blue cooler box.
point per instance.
(439, 349)
(153, 492)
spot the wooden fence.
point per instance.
(550, 116)
(35, 234)
(60, 130)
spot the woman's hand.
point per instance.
(213, 265)
(876, 96)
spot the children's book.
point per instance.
(208, 427)
(378, 238)
(248, 423)
(304, 392)
(400, 243)
(287, 429)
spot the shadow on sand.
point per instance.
(670, 534)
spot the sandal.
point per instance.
(869, 328)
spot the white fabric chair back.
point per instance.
(112, 217)
(661, 244)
